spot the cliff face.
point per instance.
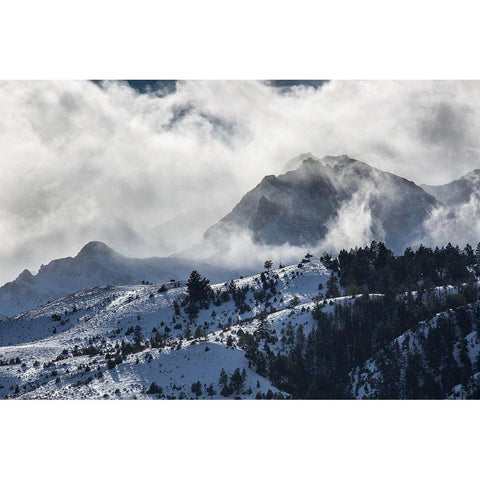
(302, 205)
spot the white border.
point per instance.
(223, 40)
(260, 39)
(238, 440)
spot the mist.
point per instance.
(148, 173)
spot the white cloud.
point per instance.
(458, 225)
(81, 162)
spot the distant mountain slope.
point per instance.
(457, 192)
(95, 265)
(334, 194)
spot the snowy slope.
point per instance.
(95, 265)
(59, 350)
(366, 379)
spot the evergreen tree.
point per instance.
(137, 335)
(154, 388)
(197, 388)
(192, 311)
(176, 308)
(188, 332)
(211, 390)
(237, 381)
(198, 290)
(477, 259)
(332, 287)
(223, 380)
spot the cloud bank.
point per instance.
(83, 161)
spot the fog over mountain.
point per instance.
(458, 219)
(83, 160)
(320, 205)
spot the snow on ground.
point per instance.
(36, 348)
(364, 378)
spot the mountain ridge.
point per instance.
(300, 206)
(457, 192)
(96, 264)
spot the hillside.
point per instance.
(438, 358)
(59, 350)
(301, 331)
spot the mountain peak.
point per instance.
(336, 158)
(310, 159)
(26, 275)
(473, 176)
(458, 192)
(295, 162)
(95, 248)
(311, 204)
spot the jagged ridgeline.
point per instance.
(366, 323)
(314, 200)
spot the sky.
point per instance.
(147, 166)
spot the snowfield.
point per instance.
(59, 350)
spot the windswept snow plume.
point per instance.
(353, 226)
(457, 225)
(237, 250)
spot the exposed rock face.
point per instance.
(302, 206)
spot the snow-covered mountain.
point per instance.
(95, 265)
(76, 347)
(459, 191)
(328, 198)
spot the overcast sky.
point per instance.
(115, 161)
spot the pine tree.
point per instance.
(223, 380)
(237, 381)
(477, 259)
(137, 335)
(469, 254)
(192, 311)
(211, 390)
(332, 287)
(198, 290)
(197, 388)
(176, 307)
(154, 388)
(188, 332)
